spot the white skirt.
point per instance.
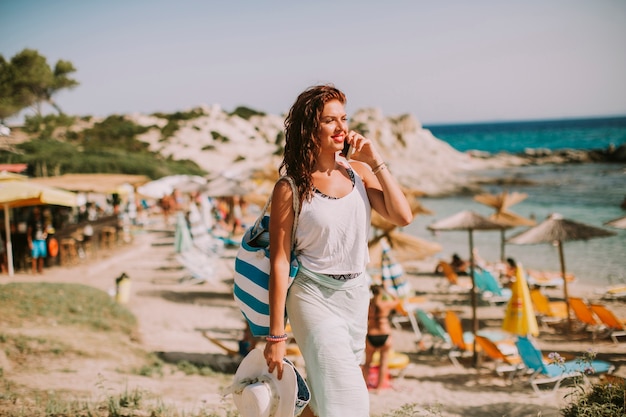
(329, 322)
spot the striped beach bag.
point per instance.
(252, 268)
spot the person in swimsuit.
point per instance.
(327, 303)
(379, 332)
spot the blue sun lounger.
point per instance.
(545, 373)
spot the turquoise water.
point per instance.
(586, 193)
(515, 137)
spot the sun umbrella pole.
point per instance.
(565, 293)
(7, 230)
(473, 290)
(502, 240)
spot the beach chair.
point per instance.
(440, 337)
(510, 363)
(585, 317)
(616, 326)
(462, 342)
(614, 292)
(453, 283)
(405, 308)
(489, 288)
(199, 266)
(582, 312)
(201, 236)
(547, 279)
(548, 312)
(556, 373)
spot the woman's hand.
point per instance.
(274, 353)
(363, 149)
(385, 194)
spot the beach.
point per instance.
(175, 315)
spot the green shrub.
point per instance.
(46, 124)
(116, 132)
(245, 112)
(217, 136)
(188, 115)
(66, 304)
(169, 129)
(606, 399)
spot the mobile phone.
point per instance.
(348, 150)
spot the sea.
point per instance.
(589, 193)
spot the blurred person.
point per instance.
(457, 263)
(378, 337)
(36, 234)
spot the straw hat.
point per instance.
(258, 393)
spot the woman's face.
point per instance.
(333, 126)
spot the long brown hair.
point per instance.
(302, 144)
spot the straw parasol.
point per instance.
(501, 202)
(24, 193)
(380, 223)
(519, 317)
(619, 223)
(92, 183)
(470, 221)
(556, 230)
(405, 247)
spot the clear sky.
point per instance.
(442, 61)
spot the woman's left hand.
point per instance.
(363, 149)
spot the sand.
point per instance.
(173, 313)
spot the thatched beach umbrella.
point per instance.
(405, 247)
(24, 193)
(501, 202)
(379, 222)
(556, 230)
(619, 223)
(470, 221)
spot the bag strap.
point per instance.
(296, 208)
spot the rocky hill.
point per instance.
(224, 144)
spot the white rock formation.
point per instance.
(221, 143)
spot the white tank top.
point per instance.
(332, 233)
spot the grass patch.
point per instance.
(135, 402)
(40, 321)
(63, 304)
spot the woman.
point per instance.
(382, 304)
(328, 301)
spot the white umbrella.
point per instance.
(228, 187)
(157, 189)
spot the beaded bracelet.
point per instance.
(279, 338)
(379, 168)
